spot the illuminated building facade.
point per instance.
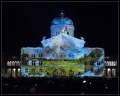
(111, 66)
(62, 54)
(13, 66)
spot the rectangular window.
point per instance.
(40, 70)
(97, 63)
(32, 62)
(91, 69)
(26, 62)
(91, 55)
(33, 70)
(91, 62)
(98, 55)
(39, 62)
(26, 70)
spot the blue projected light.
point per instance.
(58, 21)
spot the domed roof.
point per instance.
(60, 20)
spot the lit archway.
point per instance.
(13, 72)
(113, 72)
(109, 72)
(19, 72)
(9, 71)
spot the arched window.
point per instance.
(110, 63)
(18, 63)
(107, 63)
(8, 63)
(13, 63)
(114, 63)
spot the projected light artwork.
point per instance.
(62, 54)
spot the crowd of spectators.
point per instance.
(58, 85)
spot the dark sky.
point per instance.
(25, 23)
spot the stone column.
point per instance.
(11, 72)
(106, 72)
(111, 73)
(16, 72)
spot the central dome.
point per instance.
(60, 20)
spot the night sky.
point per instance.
(25, 23)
